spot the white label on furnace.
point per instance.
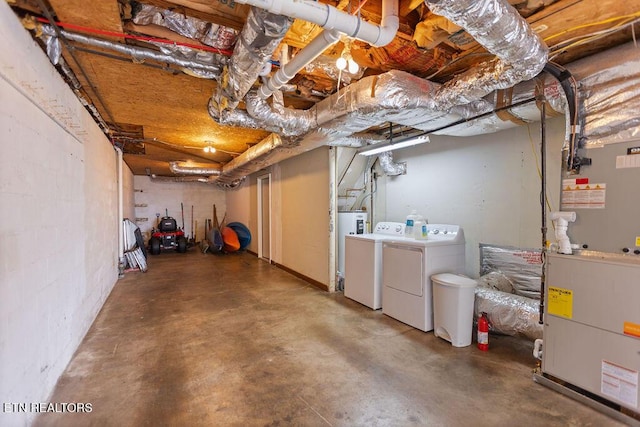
(584, 196)
(623, 162)
(619, 383)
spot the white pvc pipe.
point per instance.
(330, 18)
(310, 52)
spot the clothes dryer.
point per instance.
(407, 267)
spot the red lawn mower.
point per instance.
(167, 236)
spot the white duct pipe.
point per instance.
(310, 52)
(330, 18)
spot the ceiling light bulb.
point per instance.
(212, 150)
(341, 63)
(353, 66)
(206, 149)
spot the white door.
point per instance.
(264, 217)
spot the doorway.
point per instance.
(264, 217)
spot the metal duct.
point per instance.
(213, 35)
(136, 53)
(260, 37)
(285, 121)
(390, 168)
(403, 98)
(207, 33)
(204, 180)
(610, 92)
(498, 27)
(176, 168)
(235, 168)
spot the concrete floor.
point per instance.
(233, 341)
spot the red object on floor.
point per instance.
(483, 332)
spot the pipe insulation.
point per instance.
(331, 18)
(137, 53)
(262, 33)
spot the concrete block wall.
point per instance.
(58, 251)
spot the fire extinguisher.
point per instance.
(483, 332)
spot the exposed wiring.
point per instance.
(537, 161)
(590, 38)
(593, 24)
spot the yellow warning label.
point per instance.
(638, 241)
(632, 329)
(560, 302)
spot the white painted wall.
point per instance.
(300, 218)
(160, 197)
(58, 251)
(488, 184)
(304, 200)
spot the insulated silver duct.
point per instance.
(253, 156)
(137, 53)
(394, 97)
(390, 168)
(216, 36)
(260, 37)
(403, 98)
(610, 94)
(207, 33)
(498, 27)
(202, 179)
(177, 168)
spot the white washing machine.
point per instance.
(407, 267)
(363, 263)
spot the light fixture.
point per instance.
(370, 150)
(345, 61)
(209, 149)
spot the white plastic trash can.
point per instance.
(453, 298)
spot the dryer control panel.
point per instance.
(390, 228)
(445, 232)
